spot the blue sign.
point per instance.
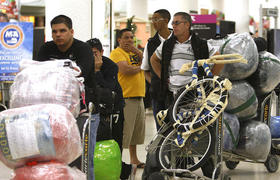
(16, 43)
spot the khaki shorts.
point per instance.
(134, 122)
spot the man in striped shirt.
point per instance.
(183, 47)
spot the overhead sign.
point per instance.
(270, 12)
(16, 43)
(204, 25)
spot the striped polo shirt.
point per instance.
(181, 54)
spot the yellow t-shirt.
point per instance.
(132, 85)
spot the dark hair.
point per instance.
(163, 13)
(261, 44)
(62, 19)
(95, 43)
(5, 16)
(120, 33)
(185, 16)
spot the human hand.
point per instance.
(129, 47)
(98, 62)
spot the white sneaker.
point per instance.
(133, 172)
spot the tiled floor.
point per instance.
(244, 171)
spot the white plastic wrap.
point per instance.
(48, 171)
(46, 83)
(254, 140)
(217, 43)
(38, 133)
(242, 101)
(267, 76)
(244, 45)
(231, 140)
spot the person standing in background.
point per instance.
(182, 47)
(160, 20)
(9, 7)
(3, 17)
(106, 77)
(132, 80)
(65, 46)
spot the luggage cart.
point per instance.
(268, 108)
(216, 167)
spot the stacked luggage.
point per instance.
(39, 135)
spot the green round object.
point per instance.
(107, 160)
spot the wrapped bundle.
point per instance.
(46, 83)
(231, 131)
(217, 43)
(254, 140)
(275, 131)
(244, 45)
(48, 171)
(72, 66)
(242, 101)
(267, 76)
(107, 160)
(38, 133)
(275, 126)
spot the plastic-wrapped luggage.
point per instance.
(275, 126)
(242, 101)
(46, 83)
(38, 133)
(254, 140)
(267, 76)
(48, 171)
(244, 45)
(107, 160)
(217, 43)
(231, 131)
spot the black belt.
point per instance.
(137, 97)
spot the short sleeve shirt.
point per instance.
(145, 62)
(132, 85)
(182, 53)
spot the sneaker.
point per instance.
(133, 172)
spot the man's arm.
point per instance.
(85, 60)
(145, 65)
(127, 69)
(155, 61)
(217, 68)
(135, 51)
(147, 75)
(108, 76)
(42, 54)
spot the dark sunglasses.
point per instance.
(178, 22)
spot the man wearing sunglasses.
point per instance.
(182, 47)
(160, 21)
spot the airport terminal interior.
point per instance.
(251, 121)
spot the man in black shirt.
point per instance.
(65, 46)
(106, 77)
